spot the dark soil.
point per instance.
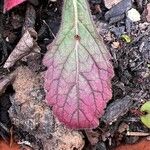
(131, 63)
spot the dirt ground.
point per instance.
(25, 118)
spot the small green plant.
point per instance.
(126, 38)
(146, 118)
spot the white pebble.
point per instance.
(133, 15)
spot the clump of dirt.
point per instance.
(29, 113)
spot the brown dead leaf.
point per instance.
(26, 45)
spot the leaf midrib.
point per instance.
(76, 20)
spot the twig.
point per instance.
(11, 136)
(49, 28)
(4, 127)
(137, 133)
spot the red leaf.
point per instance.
(9, 4)
(78, 79)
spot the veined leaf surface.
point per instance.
(78, 79)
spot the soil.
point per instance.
(131, 61)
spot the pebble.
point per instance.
(133, 15)
(148, 13)
(110, 3)
(115, 45)
(119, 9)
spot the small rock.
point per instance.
(118, 31)
(148, 13)
(123, 127)
(144, 26)
(64, 139)
(101, 146)
(110, 3)
(133, 15)
(115, 44)
(119, 9)
(117, 109)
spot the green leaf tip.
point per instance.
(126, 38)
(146, 118)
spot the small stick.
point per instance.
(4, 127)
(49, 28)
(137, 133)
(11, 137)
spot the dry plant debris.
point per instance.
(26, 45)
(5, 81)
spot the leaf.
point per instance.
(78, 79)
(25, 46)
(146, 118)
(9, 4)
